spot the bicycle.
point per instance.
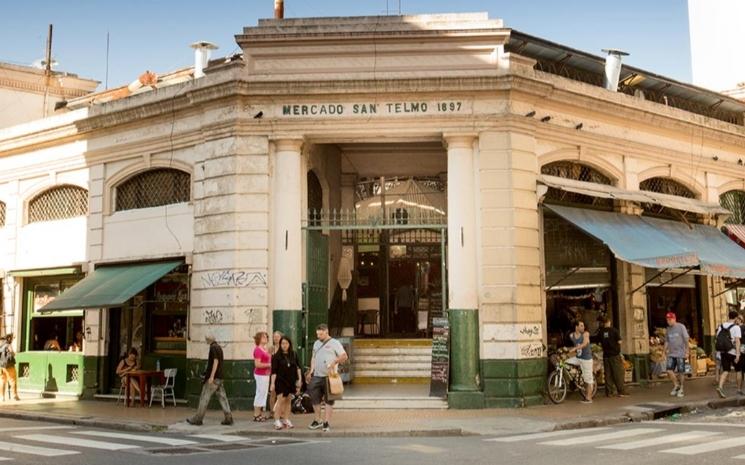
(564, 377)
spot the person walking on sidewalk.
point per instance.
(327, 354)
(273, 349)
(676, 350)
(262, 370)
(728, 345)
(286, 381)
(212, 384)
(8, 367)
(610, 339)
(740, 367)
(583, 357)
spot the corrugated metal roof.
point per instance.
(656, 87)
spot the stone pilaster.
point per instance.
(512, 316)
(231, 260)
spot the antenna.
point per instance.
(47, 69)
(106, 82)
(399, 7)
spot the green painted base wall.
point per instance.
(92, 367)
(464, 350)
(513, 383)
(290, 323)
(641, 367)
(52, 372)
(237, 378)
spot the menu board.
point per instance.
(435, 305)
(438, 386)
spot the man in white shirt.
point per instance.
(730, 353)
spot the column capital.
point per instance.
(462, 140)
(287, 142)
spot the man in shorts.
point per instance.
(327, 354)
(730, 332)
(676, 350)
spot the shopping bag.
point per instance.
(334, 385)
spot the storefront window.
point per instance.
(57, 331)
(166, 308)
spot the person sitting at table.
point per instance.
(77, 345)
(52, 344)
(126, 365)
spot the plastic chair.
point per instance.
(166, 388)
(120, 397)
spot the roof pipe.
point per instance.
(202, 51)
(279, 9)
(613, 68)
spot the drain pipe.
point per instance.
(279, 9)
(202, 51)
(613, 68)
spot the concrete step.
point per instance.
(384, 366)
(425, 359)
(377, 403)
(394, 373)
(390, 351)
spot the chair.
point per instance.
(120, 397)
(166, 388)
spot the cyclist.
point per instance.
(583, 357)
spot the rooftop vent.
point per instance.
(613, 68)
(202, 51)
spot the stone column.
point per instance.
(286, 247)
(462, 273)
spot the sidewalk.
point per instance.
(387, 423)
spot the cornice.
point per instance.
(40, 88)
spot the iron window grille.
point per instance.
(734, 201)
(2, 214)
(154, 188)
(58, 203)
(665, 186)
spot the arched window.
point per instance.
(2, 214)
(666, 186)
(577, 172)
(154, 188)
(734, 201)
(58, 203)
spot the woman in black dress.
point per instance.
(286, 381)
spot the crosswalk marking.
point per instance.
(219, 437)
(651, 442)
(550, 434)
(34, 450)
(619, 434)
(137, 437)
(707, 447)
(32, 428)
(80, 442)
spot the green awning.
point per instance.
(110, 286)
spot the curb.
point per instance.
(453, 432)
(91, 422)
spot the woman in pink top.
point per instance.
(262, 371)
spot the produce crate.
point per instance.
(701, 367)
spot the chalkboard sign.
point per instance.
(438, 386)
(435, 305)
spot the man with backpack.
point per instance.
(8, 367)
(728, 345)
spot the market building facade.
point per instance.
(406, 179)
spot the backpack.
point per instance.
(302, 404)
(4, 356)
(724, 339)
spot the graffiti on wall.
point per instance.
(233, 278)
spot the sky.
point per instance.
(155, 34)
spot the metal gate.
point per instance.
(403, 228)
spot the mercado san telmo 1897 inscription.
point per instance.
(374, 108)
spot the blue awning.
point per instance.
(658, 243)
(629, 237)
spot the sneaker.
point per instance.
(675, 390)
(227, 421)
(278, 425)
(586, 401)
(623, 394)
(680, 393)
(193, 422)
(315, 425)
(288, 424)
(326, 427)
(721, 392)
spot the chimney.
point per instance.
(279, 9)
(613, 68)
(202, 51)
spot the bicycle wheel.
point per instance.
(557, 387)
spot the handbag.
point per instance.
(334, 385)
